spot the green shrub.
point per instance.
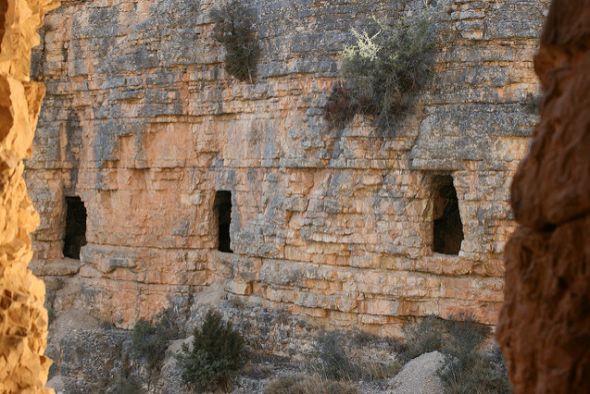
(383, 70)
(150, 340)
(216, 356)
(234, 29)
(308, 385)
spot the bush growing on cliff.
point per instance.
(234, 29)
(216, 356)
(150, 340)
(382, 71)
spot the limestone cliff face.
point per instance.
(23, 319)
(143, 124)
(545, 324)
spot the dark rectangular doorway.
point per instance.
(222, 206)
(447, 226)
(75, 234)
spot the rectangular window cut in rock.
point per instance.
(447, 226)
(222, 206)
(75, 234)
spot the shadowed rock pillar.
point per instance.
(544, 326)
(23, 319)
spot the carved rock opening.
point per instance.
(447, 225)
(75, 233)
(223, 214)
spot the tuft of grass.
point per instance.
(383, 70)
(234, 29)
(216, 357)
(302, 384)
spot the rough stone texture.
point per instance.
(23, 319)
(420, 376)
(544, 328)
(143, 123)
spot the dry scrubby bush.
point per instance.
(469, 368)
(335, 364)
(382, 71)
(150, 340)
(234, 29)
(308, 385)
(216, 356)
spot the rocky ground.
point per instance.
(94, 357)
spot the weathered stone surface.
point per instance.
(544, 328)
(143, 123)
(23, 319)
(420, 375)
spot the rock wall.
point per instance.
(142, 123)
(23, 319)
(545, 325)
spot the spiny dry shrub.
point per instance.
(302, 384)
(150, 340)
(234, 29)
(335, 364)
(476, 373)
(469, 368)
(423, 337)
(216, 357)
(383, 70)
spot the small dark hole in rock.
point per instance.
(75, 235)
(223, 212)
(448, 228)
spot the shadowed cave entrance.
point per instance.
(447, 226)
(222, 208)
(75, 234)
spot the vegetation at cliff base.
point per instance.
(470, 367)
(150, 340)
(215, 356)
(383, 70)
(302, 384)
(234, 29)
